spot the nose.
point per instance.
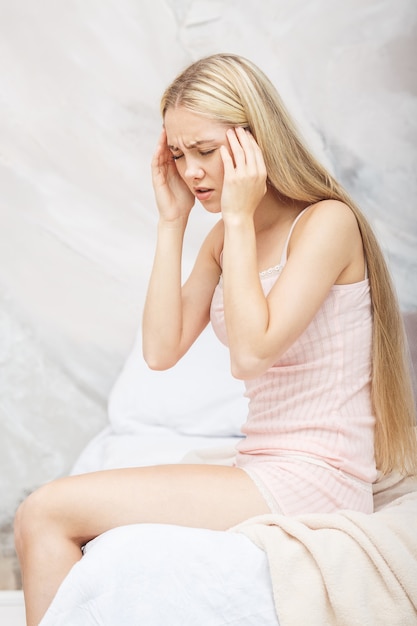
(193, 169)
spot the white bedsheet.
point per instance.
(159, 575)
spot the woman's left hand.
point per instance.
(244, 183)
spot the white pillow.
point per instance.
(198, 396)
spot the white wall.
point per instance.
(79, 90)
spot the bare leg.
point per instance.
(58, 519)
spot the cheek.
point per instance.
(180, 167)
(220, 169)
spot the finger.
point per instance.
(158, 161)
(228, 163)
(162, 156)
(250, 149)
(162, 139)
(253, 151)
(236, 149)
(249, 146)
(161, 142)
(163, 136)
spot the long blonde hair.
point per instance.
(231, 89)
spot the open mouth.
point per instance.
(202, 193)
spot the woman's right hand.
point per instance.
(174, 199)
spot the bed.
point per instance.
(350, 568)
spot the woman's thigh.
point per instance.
(200, 496)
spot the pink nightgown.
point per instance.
(309, 434)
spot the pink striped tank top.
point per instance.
(309, 434)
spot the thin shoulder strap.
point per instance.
(285, 250)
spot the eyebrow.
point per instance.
(193, 144)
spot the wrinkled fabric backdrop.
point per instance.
(80, 83)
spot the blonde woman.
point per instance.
(294, 283)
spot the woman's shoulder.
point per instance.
(328, 233)
(328, 216)
(334, 210)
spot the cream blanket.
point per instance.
(347, 568)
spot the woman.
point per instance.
(294, 282)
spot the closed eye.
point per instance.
(200, 152)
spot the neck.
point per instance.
(274, 210)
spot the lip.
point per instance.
(203, 193)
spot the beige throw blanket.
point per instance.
(347, 568)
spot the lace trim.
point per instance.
(276, 269)
(264, 274)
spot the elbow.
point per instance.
(157, 366)
(160, 365)
(158, 362)
(248, 368)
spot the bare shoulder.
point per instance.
(328, 219)
(328, 236)
(332, 212)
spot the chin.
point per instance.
(211, 207)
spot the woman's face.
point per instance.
(194, 142)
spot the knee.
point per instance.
(19, 523)
(33, 517)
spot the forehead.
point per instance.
(184, 127)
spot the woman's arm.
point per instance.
(260, 329)
(324, 244)
(174, 315)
